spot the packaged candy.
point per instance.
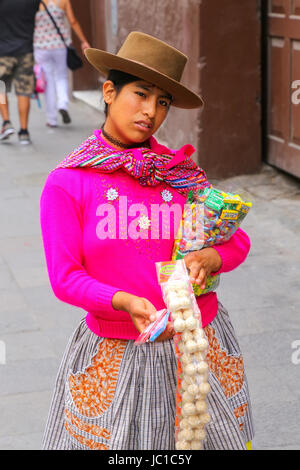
(155, 328)
(210, 218)
(191, 345)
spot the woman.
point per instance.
(50, 52)
(101, 247)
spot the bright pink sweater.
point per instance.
(79, 208)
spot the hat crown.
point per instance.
(149, 51)
(152, 60)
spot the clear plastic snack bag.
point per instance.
(191, 345)
(210, 218)
(154, 329)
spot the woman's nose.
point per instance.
(150, 107)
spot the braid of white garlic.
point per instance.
(191, 345)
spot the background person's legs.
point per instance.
(7, 128)
(3, 96)
(4, 109)
(24, 85)
(23, 108)
(61, 82)
(7, 68)
(44, 58)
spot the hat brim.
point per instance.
(104, 62)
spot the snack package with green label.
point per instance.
(210, 218)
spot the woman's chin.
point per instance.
(140, 137)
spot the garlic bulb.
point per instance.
(182, 445)
(202, 367)
(204, 388)
(194, 421)
(205, 418)
(192, 389)
(191, 323)
(186, 435)
(190, 369)
(187, 398)
(184, 423)
(201, 406)
(202, 344)
(199, 433)
(189, 409)
(179, 325)
(186, 359)
(196, 445)
(192, 345)
(187, 335)
(187, 313)
(178, 314)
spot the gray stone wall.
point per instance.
(177, 23)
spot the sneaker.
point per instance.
(24, 137)
(65, 116)
(7, 130)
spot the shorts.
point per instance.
(20, 71)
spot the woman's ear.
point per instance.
(108, 91)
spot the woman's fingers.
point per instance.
(150, 311)
(194, 272)
(167, 334)
(152, 317)
(198, 270)
(142, 313)
(201, 279)
(198, 274)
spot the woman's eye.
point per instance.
(164, 103)
(140, 93)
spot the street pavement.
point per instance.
(262, 295)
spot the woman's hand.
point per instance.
(142, 312)
(67, 7)
(85, 45)
(201, 264)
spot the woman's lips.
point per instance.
(144, 125)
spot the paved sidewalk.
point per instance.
(262, 295)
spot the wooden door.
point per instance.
(91, 17)
(283, 83)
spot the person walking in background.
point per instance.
(16, 61)
(51, 54)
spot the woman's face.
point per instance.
(136, 111)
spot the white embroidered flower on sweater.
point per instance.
(144, 222)
(166, 195)
(112, 194)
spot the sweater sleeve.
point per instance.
(61, 225)
(234, 251)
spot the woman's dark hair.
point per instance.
(119, 80)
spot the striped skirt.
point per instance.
(111, 394)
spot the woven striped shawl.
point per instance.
(175, 168)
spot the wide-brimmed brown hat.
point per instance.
(152, 60)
